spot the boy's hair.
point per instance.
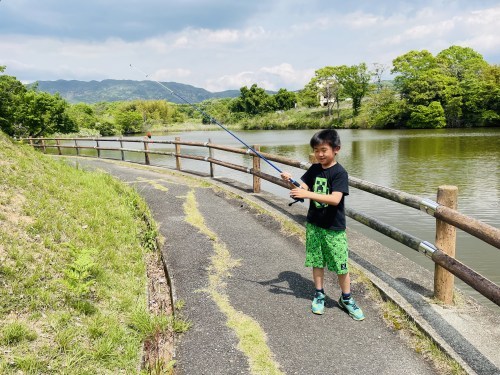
(328, 136)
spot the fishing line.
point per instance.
(215, 121)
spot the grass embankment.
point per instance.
(73, 251)
(294, 119)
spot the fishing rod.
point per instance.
(215, 121)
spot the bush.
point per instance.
(427, 117)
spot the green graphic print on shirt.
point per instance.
(321, 187)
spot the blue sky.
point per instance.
(226, 44)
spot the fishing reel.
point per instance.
(295, 200)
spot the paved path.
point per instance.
(269, 286)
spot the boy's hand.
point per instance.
(299, 193)
(286, 176)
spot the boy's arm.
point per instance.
(332, 199)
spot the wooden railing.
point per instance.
(447, 218)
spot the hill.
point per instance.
(111, 90)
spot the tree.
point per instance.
(461, 62)
(128, 121)
(386, 110)
(83, 115)
(285, 100)
(253, 101)
(308, 96)
(11, 94)
(217, 109)
(410, 68)
(431, 116)
(424, 79)
(469, 69)
(328, 87)
(355, 80)
(378, 72)
(42, 114)
(491, 96)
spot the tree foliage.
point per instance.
(457, 78)
(29, 113)
(256, 101)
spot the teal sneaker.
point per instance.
(350, 306)
(318, 303)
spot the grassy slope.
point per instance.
(72, 268)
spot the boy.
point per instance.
(325, 184)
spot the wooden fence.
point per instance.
(443, 209)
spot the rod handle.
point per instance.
(298, 185)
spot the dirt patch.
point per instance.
(158, 351)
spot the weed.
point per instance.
(15, 332)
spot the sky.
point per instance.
(226, 44)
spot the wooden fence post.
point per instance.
(146, 151)
(77, 148)
(121, 148)
(58, 142)
(43, 146)
(97, 145)
(446, 236)
(211, 155)
(256, 167)
(177, 152)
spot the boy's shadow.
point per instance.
(295, 285)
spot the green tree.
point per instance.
(355, 81)
(490, 89)
(386, 110)
(423, 79)
(410, 69)
(11, 95)
(129, 121)
(42, 114)
(461, 62)
(253, 101)
(217, 109)
(308, 96)
(328, 87)
(285, 100)
(431, 116)
(83, 115)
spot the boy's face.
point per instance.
(325, 154)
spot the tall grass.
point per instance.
(72, 267)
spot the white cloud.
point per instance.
(270, 78)
(361, 20)
(170, 74)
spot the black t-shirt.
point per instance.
(326, 181)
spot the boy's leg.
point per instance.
(345, 283)
(338, 263)
(318, 277)
(314, 259)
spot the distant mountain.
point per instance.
(111, 90)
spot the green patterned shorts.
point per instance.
(326, 247)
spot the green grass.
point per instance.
(73, 246)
